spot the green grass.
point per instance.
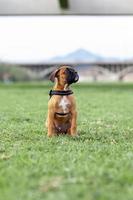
(97, 165)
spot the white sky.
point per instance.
(33, 39)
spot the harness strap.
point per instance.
(62, 114)
(60, 92)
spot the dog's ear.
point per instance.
(54, 75)
(73, 76)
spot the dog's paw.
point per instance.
(50, 135)
(74, 134)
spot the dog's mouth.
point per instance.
(72, 76)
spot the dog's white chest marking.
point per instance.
(64, 103)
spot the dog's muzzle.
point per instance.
(72, 76)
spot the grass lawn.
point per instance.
(97, 165)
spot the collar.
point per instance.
(60, 92)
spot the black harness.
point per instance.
(60, 92)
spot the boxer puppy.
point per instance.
(62, 114)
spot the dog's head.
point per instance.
(65, 75)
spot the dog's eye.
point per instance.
(64, 73)
(67, 71)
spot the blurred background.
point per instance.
(66, 7)
(99, 47)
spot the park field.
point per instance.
(96, 165)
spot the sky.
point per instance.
(39, 38)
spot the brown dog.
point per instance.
(62, 114)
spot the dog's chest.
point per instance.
(64, 104)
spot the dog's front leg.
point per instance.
(50, 124)
(73, 129)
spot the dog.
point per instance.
(62, 113)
